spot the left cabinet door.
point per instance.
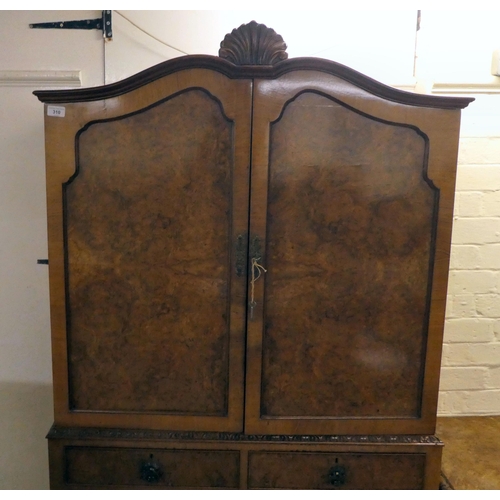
(147, 203)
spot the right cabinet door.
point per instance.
(350, 205)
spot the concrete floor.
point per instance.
(471, 455)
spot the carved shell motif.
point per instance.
(253, 43)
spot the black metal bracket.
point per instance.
(103, 23)
(255, 248)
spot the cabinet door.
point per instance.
(147, 225)
(351, 206)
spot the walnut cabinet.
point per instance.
(248, 263)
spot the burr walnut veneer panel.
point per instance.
(148, 260)
(350, 229)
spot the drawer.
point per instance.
(140, 467)
(304, 470)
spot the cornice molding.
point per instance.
(467, 88)
(251, 71)
(40, 78)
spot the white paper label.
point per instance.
(59, 111)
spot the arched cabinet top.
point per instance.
(251, 51)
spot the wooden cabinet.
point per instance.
(248, 270)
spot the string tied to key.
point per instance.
(257, 270)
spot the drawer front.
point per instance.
(303, 470)
(144, 468)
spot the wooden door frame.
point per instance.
(109, 102)
(442, 128)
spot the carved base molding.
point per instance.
(160, 435)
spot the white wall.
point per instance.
(454, 56)
(378, 43)
(29, 60)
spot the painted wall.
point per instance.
(454, 56)
(29, 60)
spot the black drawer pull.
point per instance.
(336, 475)
(150, 472)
